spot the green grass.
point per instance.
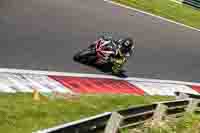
(190, 123)
(20, 114)
(168, 9)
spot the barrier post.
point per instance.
(113, 123)
(192, 106)
(159, 114)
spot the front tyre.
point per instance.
(86, 56)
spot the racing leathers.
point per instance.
(117, 57)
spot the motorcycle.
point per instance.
(98, 54)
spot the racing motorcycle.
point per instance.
(99, 54)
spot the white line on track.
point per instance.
(143, 12)
(53, 73)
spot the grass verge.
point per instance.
(19, 113)
(190, 123)
(167, 9)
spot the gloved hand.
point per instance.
(120, 61)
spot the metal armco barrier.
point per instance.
(176, 108)
(88, 125)
(137, 115)
(132, 116)
(195, 3)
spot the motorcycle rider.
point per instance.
(124, 50)
(107, 52)
(126, 46)
(113, 52)
(121, 50)
(123, 46)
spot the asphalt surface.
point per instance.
(45, 34)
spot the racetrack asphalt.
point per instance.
(44, 35)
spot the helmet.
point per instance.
(127, 46)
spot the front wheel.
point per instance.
(86, 56)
